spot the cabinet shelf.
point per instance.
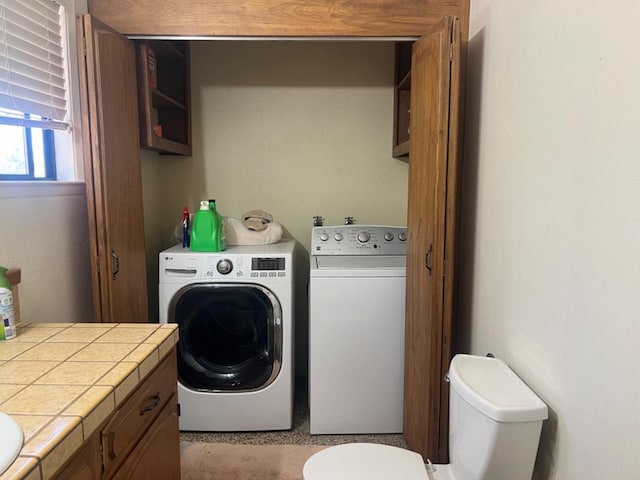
(401, 149)
(402, 101)
(164, 96)
(160, 100)
(405, 82)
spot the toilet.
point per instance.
(495, 421)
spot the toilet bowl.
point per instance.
(495, 421)
(370, 461)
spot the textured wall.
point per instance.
(551, 222)
(45, 234)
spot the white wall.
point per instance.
(294, 128)
(551, 220)
(44, 232)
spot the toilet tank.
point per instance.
(495, 421)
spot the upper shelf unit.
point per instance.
(402, 100)
(164, 95)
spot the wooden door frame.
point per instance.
(277, 18)
(343, 19)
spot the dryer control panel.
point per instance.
(237, 263)
(358, 240)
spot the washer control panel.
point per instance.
(238, 266)
(358, 240)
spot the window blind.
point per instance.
(32, 63)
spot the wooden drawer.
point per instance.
(136, 414)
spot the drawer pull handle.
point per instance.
(155, 401)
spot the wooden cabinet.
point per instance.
(159, 442)
(85, 464)
(140, 440)
(164, 98)
(402, 100)
(137, 414)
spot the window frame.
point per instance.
(48, 152)
(66, 145)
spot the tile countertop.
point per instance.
(60, 381)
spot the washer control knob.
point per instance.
(338, 237)
(224, 266)
(324, 237)
(363, 237)
(388, 236)
(402, 236)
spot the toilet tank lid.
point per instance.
(491, 387)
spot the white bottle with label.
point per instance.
(7, 312)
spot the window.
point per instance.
(37, 59)
(26, 153)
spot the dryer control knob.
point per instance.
(224, 266)
(363, 236)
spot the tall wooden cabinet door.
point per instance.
(113, 172)
(433, 159)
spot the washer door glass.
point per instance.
(230, 336)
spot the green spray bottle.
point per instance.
(7, 312)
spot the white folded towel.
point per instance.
(257, 219)
(237, 233)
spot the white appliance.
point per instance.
(356, 329)
(234, 310)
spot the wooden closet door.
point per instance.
(113, 173)
(433, 166)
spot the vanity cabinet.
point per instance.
(154, 456)
(164, 98)
(151, 408)
(85, 464)
(141, 439)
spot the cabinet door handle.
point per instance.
(155, 401)
(428, 259)
(109, 440)
(115, 264)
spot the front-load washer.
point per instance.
(356, 329)
(234, 310)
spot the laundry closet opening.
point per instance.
(297, 128)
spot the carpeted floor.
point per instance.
(298, 435)
(224, 461)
